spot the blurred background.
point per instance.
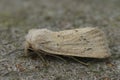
(19, 16)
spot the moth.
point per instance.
(83, 42)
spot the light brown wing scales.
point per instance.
(83, 42)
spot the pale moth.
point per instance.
(83, 42)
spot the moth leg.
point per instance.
(42, 57)
(81, 62)
(39, 54)
(30, 52)
(58, 57)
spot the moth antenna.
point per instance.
(81, 62)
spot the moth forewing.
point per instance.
(83, 42)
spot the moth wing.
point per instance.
(86, 42)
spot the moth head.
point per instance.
(35, 38)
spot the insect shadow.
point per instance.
(46, 57)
